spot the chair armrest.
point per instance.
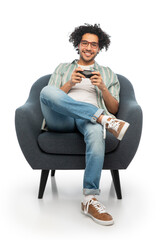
(29, 118)
(128, 110)
(28, 121)
(131, 112)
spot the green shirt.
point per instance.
(63, 72)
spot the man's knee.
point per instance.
(95, 133)
(49, 93)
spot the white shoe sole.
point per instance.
(123, 131)
(104, 223)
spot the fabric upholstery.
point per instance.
(70, 143)
(28, 120)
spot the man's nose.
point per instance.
(89, 47)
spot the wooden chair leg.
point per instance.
(116, 181)
(43, 181)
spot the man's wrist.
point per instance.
(104, 89)
(66, 87)
(70, 83)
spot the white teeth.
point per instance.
(88, 54)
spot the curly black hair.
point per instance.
(76, 36)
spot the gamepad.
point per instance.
(86, 73)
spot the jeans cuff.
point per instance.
(91, 191)
(96, 115)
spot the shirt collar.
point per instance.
(95, 67)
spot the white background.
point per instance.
(34, 40)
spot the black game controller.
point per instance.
(86, 73)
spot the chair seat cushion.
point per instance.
(70, 143)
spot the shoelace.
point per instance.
(104, 130)
(99, 206)
(111, 124)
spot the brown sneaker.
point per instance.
(117, 127)
(97, 212)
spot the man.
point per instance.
(72, 100)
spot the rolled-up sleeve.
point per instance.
(56, 77)
(114, 86)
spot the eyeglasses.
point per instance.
(85, 43)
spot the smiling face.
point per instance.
(88, 53)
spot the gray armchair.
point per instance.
(53, 151)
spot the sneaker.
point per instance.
(97, 212)
(117, 127)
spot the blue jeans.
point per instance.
(64, 114)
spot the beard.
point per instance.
(87, 59)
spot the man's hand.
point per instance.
(110, 102)
(76, 77)
(97, 80)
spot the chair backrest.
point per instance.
(126, 88)
(37, 87)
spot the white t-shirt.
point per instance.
(84, 91)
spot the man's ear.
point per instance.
(98, 51)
